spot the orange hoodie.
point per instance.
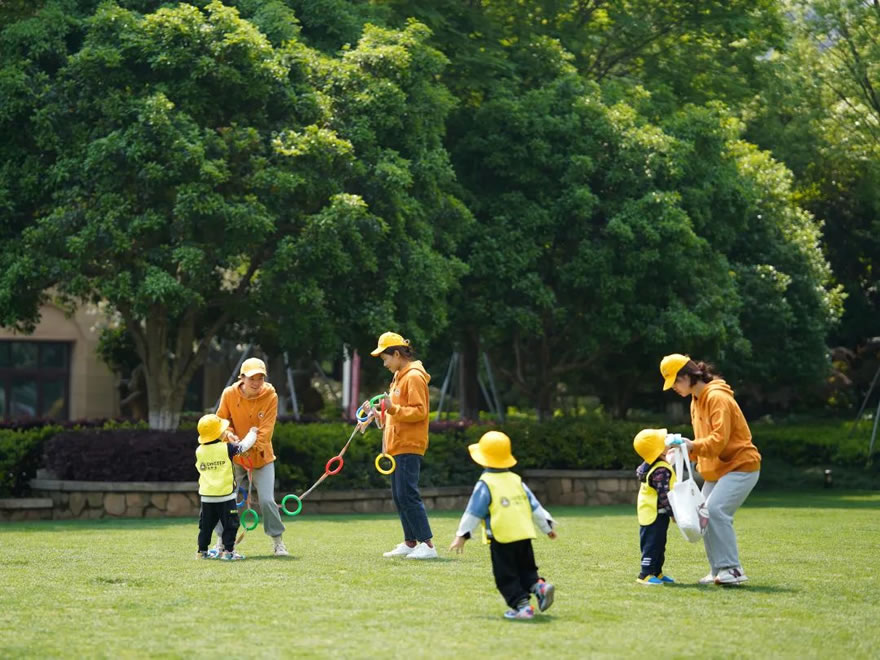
(244, 413)
(406, 426)
(722, 439)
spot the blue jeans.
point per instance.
(405, 493)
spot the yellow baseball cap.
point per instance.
(211, 427)
(650, 443)
(493, 451)
(670, 366)
(252, 366)
(387, 340)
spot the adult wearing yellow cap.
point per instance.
(405, 436)
(726, 457)
(252, 402)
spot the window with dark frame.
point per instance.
(34, 380)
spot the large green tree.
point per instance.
(202, 177)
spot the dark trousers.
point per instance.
(407, 499)
(652, 540)
(513, 565)
(211, 512)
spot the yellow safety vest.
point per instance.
(647, 504)
(510, 512)
(215, 470)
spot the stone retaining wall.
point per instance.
(63, 500)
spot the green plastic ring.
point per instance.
(256, 519)
(376, 399)
(299, 505)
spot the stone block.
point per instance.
(565, 485)
(62, 514)
(603, 498)
(579, 485)
(134, 512)
(590, 485)
(153, 512)
(92, 514)
(159, 500)
(95, 500)
(179, 505)
(114, 504)
(77, 503)
(609, 485)
(136, 499)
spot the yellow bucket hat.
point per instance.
(670, 366)
(650, 443)
(493, 451)
(211, 427)
(387, 340)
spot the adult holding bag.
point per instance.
(726, 457)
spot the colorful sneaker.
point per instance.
(278, 547)
(202, 554)
(650, 581)
(422, 551)
(217, 550)
(400, 550)
(231, 556)
(730, 576)
(543, 590)
(665, 579)
(708, 579)
(526, 612)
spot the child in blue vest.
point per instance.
(217, 484)
(509, 512)
(656, 477)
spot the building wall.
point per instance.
(92, 387)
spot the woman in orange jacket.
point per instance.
(253, 403)
(726, 458)
(406, 438)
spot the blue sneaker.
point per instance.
(665, 579)
(544, 592)
(650, 581)
(231, 556)
(526, 612)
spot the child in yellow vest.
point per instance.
(217, 484)
(509, 513)
(656, 477)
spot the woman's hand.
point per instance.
(457, 544)
(553, 535)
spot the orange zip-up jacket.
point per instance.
(244, 413)
(722, 439)
(406, 430)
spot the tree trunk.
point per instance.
(468, 370)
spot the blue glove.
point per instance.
(674, 439)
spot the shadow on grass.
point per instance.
(248, 557)
(540, 619)
(758, 588)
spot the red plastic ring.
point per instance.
(330, 462)
(249, 465)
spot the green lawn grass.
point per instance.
(131, 588)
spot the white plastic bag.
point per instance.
(688, 507)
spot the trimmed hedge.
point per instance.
(303, 449)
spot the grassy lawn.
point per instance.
(131, 588)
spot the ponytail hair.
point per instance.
(699, 372)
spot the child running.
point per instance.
(509, 513)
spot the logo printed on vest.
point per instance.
(505, 501)
(202, 466)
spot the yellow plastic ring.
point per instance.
(390, 458)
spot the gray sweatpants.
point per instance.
(723, 498)
(264, 484)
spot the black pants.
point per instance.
(513, 565)
(652, 540)
(227, 513)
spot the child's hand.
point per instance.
(457, 544)
(552, 535)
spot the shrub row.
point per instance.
(116, 453)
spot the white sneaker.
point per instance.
(730, 576)
(400, 550)
(279, 549)
(422, 551)
(708, 579)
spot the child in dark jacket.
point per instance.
(656, 477)
(509, 512)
